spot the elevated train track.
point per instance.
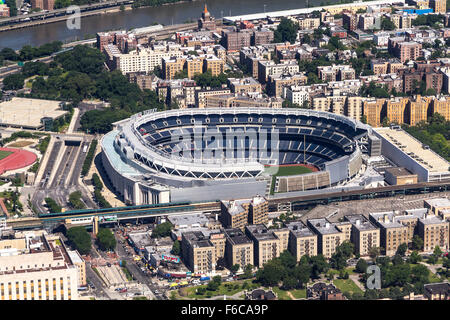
(133, 212)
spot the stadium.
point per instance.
(210, 154)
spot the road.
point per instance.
(136, 271)
(62, 175)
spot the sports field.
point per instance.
(4, 154)
(286, 170)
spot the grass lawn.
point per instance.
(4, 154)
(347, 285)
(288, 171)
(282, 294)
(20, 144)
(299, 293)
(284, 171)
(227, 288)
(350, 270)
(433, 278)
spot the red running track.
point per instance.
(18, 159)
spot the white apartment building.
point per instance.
(145, 59)
(37, 267)
(297, 94)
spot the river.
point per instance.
(141, 17)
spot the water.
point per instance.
(141, 17)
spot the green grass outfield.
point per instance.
(288, 170)
(284, 171)
(4, 154)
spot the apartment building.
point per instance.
(199, 253)
(277, 83)
(434, 231)
(283, 236)
(297, 94)
(270, 68)
(407, 50)
(438, 6)
(145, 59)
(417, 110)
(353, 107)
(395, 109)
(261, 36)
(372, 111)
(336, 73)
(349, 21)
(39, 267)
(266, 244)
(244, 85)
(439, 206)
(302, 241)
(328, 236)
(258, 211)
(308, 23)
(143, 80)
(250, 57)
(201, 95)
(234, 213)
(346, 228)
(364, 235)
(242, 101)
(233, 40)
(171, 66)
(238, 248)
(392, 232)
(214, 65)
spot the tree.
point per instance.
(414, 257)
(162, 230)
(13, 82)
(176, 248)
(387, 24)
(105, 239)
(319, 265)
(235, 268)
(361, 266)
(287, 259)
(290, 283)
(75, 200)
(80, 239)
(248, 271)
(302, 274)
(374, 252)
(52, 205)
(397, 259)
(401, 250)
(437, 251)
(286, 31)
(417, 243)
(272, 273)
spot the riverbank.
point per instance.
(114, 9)
(175, 13)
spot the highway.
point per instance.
(61, 175)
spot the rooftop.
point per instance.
(29, 112)
(323, 226)
(260, 232)
(360, 222)
(299, 229)
(236, 236)
(415, 149)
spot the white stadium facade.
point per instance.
(210, 154)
